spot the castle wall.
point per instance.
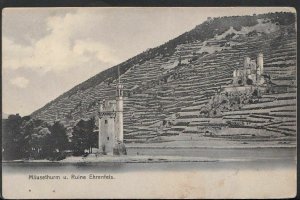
(238, 89)
(253, 78)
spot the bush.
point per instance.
(229, 36)
(249, 82)
(252, 33)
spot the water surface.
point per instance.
(256, 159)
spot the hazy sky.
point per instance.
(47, 51)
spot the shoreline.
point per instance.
(209, 147)
(139, 161)
(150, 159)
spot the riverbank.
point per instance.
(135, 159)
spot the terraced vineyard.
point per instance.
(167, 86)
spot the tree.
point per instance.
(58, 138)
(12, 137)
(35, 138)
(92, 136)
(83, 136)
(79, 140)
(39, 142)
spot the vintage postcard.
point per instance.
(132, 102)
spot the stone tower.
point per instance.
(260, 64)
(260, 69)
(111, 125)
(246, 63)
(119, 113)
(246, 70)
(119, 147)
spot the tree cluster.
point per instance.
(29, 138)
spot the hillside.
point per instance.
(167, 86)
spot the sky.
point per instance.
(47, 51)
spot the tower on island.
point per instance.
(111, 125)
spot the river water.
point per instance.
(237, 173)
(259, 158)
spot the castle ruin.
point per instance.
(251, 75)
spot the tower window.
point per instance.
(105, 121)
(107, 138)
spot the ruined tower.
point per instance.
(246, 70)
(260, 64)
(260, 69)
(246, 63)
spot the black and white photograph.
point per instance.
(149, 102)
